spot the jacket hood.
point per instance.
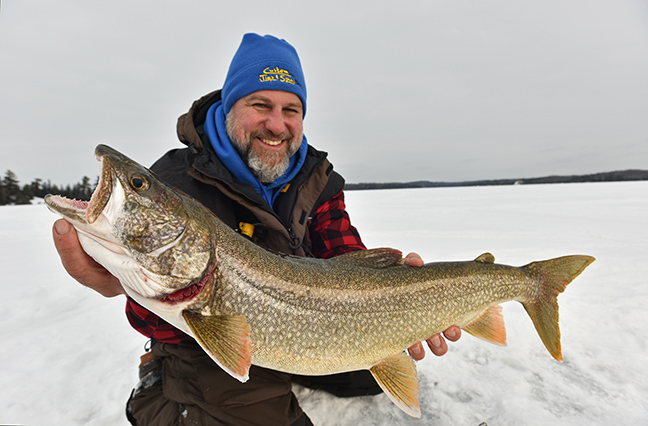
(190, 124)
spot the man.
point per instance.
(248, 161)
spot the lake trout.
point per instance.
(246, 305)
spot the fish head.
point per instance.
(142, 231)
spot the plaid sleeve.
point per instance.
(331, 231)
(150, 325)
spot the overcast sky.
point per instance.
(441, 90)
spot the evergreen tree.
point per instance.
(10, 188)
(36, 188)
(11, 192)
(3, 194)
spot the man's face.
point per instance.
(266, 129)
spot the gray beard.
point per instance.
(262, 171)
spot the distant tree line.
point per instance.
(615, 176)
(11, 192)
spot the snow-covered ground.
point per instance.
(69, 357)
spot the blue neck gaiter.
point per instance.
(217, 133)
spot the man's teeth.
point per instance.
(271, 143)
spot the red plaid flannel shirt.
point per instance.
(331, 235)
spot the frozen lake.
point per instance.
(69, 356)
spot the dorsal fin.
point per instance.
(487, 258)
(375, 258)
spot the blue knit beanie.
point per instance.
(263, 63)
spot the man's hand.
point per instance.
(437, 344)
(79, 265)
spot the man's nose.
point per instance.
(275, 122)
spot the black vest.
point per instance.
(201, 175)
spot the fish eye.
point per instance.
(139, 183)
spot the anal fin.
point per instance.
(488, 325)
(226, 339)
(397, 377)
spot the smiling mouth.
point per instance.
(272, 142)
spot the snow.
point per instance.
(68, 355)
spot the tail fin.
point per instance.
(554, 275)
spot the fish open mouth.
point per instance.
(85, 212)
(68, 208)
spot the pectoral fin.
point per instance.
(226, 339)
(489, 326)
(397, 377)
